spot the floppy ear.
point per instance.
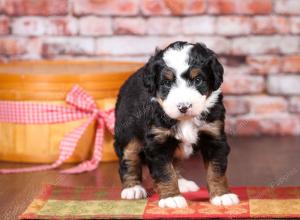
(217, 71)
(151, 71)
(199, 54)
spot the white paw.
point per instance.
(187, 185)
(226, 199)
(135, 192)
(173, 202)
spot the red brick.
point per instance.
(295, 25)
(154, 7)
(95, 26)
(242, 84)
(195, 7)
(236, 70)
(236, 105)
(289, 44)
(174, 7)
(20, 48)
(28, 26)
(233, 25)
(133, 45)
(245, 126)
(180, 7)
(291, 64)
(61, 26)
(265, 44)
(267, 104)
(270, 25)
(167, 26)
(240, 7)
(191, 25)
(12, 46)
(1, 6)
(105, 7)
(284, 84)
(4, 25)
(294, 104)
(281, 24)
(68, 46)
(127, 45)
(220, 45)
(36, 7)
(274, 124)
(264, 64)
(287, 6)
(255, 45)
(129, 26)
(221, 6)
(291, 126)
(230, 125)
(280, 124)
(33, 48)
(263, 25)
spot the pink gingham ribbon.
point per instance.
(81, 105)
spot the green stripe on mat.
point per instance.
(103, 207)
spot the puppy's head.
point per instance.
(184, 78)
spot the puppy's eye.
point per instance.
(166, 83)
(198, 81)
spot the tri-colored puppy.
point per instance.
(166, 111)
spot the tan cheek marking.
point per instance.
(213, 128)
(133, 162)
(170, 187)
(217, 184)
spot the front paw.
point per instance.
(226, 199)
(135, 192)
(173, 202)
(187, 185)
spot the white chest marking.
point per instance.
(187, 132)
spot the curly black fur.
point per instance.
(137, 112)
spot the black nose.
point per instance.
(183, 108)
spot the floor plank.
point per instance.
(253, 161)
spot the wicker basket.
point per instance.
(49, 82)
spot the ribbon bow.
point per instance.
(81, 105)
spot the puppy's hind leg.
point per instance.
(131, 172)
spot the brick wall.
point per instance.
(258, 42)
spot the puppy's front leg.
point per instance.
(166, 183)
(165, 180)
(216, 165)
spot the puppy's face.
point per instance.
(186, 78)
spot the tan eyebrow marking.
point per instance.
(194, 73)
(169, 74)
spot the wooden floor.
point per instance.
(253, 161)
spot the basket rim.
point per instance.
(125, 67)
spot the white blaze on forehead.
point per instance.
(181, 91)
(177, 59)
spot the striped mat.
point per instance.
(63, 202)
